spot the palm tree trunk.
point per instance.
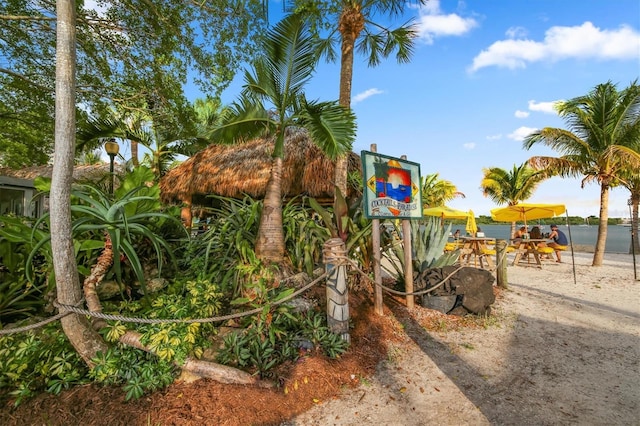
(76, 327)
(634, 246)
(598, 255)
(350, 26)
(134, 153)
(270, 238)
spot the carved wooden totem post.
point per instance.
(334, 252)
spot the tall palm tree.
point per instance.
(631, 180)
(273, 102)
(603, 126)
(510, 186)
(358, 24)
(437, 192)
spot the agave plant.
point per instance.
(428, 239)
(126, 223)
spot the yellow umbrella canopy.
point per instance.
(527, 211)
(445, 212)
(471, 227)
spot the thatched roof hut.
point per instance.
(244, 169)
(86, 172)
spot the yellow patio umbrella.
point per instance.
(471, 227)
(524, 211)
(527, 211)
(445, 212)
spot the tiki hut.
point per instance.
(244, 169)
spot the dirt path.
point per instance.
(558, 353)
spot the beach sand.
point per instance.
(553, 352)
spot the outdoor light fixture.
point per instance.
(112, 149)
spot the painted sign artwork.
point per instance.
(392, 187)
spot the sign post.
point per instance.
(392, 191)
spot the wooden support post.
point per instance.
(408, 259)
(334, 252)
(501, 264)
(377, 268)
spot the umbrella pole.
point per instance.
(573, 261)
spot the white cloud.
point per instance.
(521, 114)
(545, 107)
(469, 145)
(366, 94)
(520, 133)
(581, 42)
(516, 32)
(432, 23)
(494, 137)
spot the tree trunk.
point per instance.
(77, 329)
(105, 260)
(350, 25)
(134, 153)
(210, 370)
(635, 248)
(270, 238)
(598, 255)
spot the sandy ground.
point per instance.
(553, 352)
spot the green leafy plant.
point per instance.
(277, 335)
(130, 221)
(428, 239)
(36, 361)
(304, 236)
(346, 221)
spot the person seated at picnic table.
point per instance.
(559, 242)
(517, 236)
(536, 234)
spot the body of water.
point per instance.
(618, 237)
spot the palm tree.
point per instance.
(357, 30)
(631, 181)
(277, 82)
(510, 186)
(437, 192)
(163, 143)
(603, 126)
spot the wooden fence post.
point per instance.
(377, 257)
(408, 258)
(501, 264)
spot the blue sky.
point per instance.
(485, 74)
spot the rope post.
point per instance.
(408, 258)
(377, 258)
(337, 293)
(501, 263)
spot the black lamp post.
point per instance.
(112, 149)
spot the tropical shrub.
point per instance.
(39, 360)
(278, 335)
(20, 297)
(428, 239)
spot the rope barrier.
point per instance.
(69, 309)
(337, 260)
(38, 324)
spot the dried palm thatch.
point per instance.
(85, 172)
(244, 169)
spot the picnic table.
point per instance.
(477, 249)
(526, 248)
